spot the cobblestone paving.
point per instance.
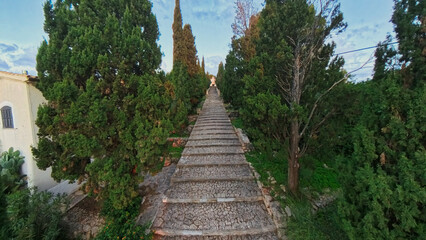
(204, 143)
(213, 132)
(213, 193)
(212, 159)
(214, 189)
(213, 150)
(213, 137)
(266, 236)
(214, 172)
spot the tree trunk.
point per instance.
(293, 163)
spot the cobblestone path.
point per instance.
(213, 194)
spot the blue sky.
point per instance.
(21, 31)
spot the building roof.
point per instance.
(18, 77)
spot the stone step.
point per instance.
(209, 179)
(248, 236)
(212, 132)
(213, 160)
(210, 112)
(225, 124)
(219, 171)
(214, 189)
(213, 117)
(212, 142)
(206, 122)
(221, 150)
(213, 219)
(213, 137)
(212, 200)
(213, 127)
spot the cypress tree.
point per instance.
(203, 66)
(177, 33)
(219, 75)
(106, 117)
(190, 54)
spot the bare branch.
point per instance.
(328, 90)
(244, 10)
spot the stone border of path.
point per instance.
(273, 207)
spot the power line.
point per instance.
(362, 49)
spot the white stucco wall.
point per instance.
(24, 100)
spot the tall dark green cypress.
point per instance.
(219, 75)
(190, 51)
(203, 66)
(106, 117)
(177, 33)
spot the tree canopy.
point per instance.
(107, 113)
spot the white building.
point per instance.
(19, 101)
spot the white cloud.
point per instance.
(361, 35)
(15, 58)
(212, 63)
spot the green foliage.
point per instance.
(175, 152)
(188, 78)
(10, 170)
(203, 67)
(4, 221)
(238, 123)
(121, 223)
(231, 85)
(325, 224)
(189, 57)
(372, 132)
(382, 174)
(322, 225)
(324, 178)
(177, 33)
(269, 164)
(220, 75)
(188, 92)
(35, 215)
(383, 177)
(107, 116)
(128, 230)
(263, 114)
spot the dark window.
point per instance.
(6, 117)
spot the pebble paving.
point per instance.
(213, 193)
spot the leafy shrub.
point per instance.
(10, 165)
(121, 223)
(3, 216)
(325, 178)
(323, 225)
(34, 215)
(127, 230)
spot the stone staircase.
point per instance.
(213, 193)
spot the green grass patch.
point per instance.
(316, 175)
(306, 225)
(274, 163)
(238, 123)
(174, 152)
(303, 224)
